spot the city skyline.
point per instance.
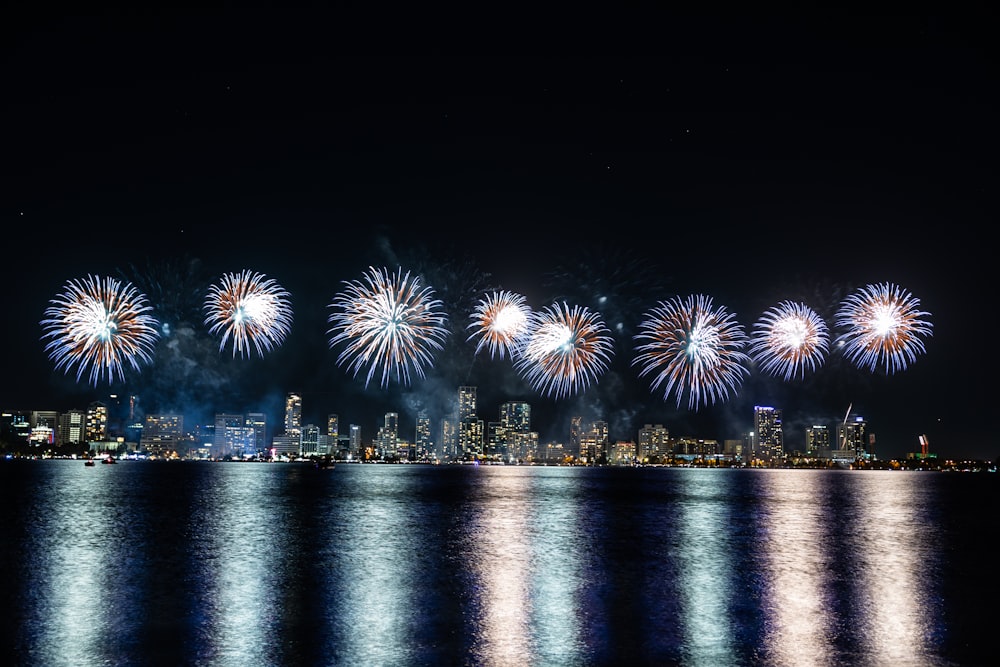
(273, 427)
(722, 167)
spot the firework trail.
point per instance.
(566, 350)
(691, 348)
(882, 327)
(789, 338)
(99, 325)
(387, 322)
(248, 309)
(501, 322)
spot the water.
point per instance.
(232, 564)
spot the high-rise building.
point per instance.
(72, 427)
(449, 439)
(818, 441)
(653, 441)
(515, 419)
(852, 437)
(599, 434)
(162, 434)
(387, 440)
(575, 445)
(230, 437)
(333, 428)
(97, 422)
(293, 414)
(313, 442)
(768, 437)
(355, 440)
(470, 427)
(423, 443)
(257, 422)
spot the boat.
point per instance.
(109, 459)
(88, 462)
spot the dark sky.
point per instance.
(800, 158)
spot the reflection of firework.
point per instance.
(389, 322)
(99, 325)
(566, 350)
(883, 327)
(248, 309)
(789, 337)
(692, 348)
(501, 322)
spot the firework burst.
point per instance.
(501, 323)
(387, 322)
(883, 327)
(692, 349)
(788, 339)
(567, 349)
(250, 310)
(98, 326)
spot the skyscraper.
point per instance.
(293, 414)
(653, 441)
(422, 441)
(470, 427)
(388, 436)
(852, 436)
(97, 422)
(515, 421)
(257, 422)
(768, 438)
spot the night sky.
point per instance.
(753, 162)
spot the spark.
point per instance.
(97, 326)
(692, 349)
(882, 327)
(788, 339)
(248, 309)
(567, 350)
(387, 322)
(501, 322)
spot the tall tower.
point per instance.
(852, 437)
(470, 431)
(768, 436)
(97, 422)
(293, 414)
(333, 428)
(818, 441)
(229, 434)
(388, 435)
(422, 441)
(576, 436)
(257, 422)
(515, 420)
(355, 439)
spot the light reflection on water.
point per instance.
(237, 564)
(704, 564)
(796, 569)
(895, 553)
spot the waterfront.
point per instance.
(200, 563)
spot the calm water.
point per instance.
(233, 564)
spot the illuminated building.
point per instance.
(97, 422)
(293, 414)
(470, 427)
(768, 441)
(653, 441)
